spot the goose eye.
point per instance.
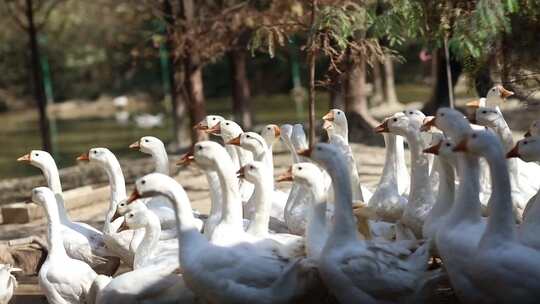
(524, 142)
(213, 118)
(251, 167)
(299, 168)
(95, 152)
(473, 136)
(268, 128)
(248, 136)
(395, 119)
(143, 182)
(131, 215)
(227, 123)
(448, 144)
(122, 204)
(319, 148)
(442, 114)
(146, 140)
(199, 147)
(37, 154)
(484, 112)
(411, 112)
(338, 113)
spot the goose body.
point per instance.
(61, 278)
(8, 283)
(224, 274)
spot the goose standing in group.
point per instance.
(349, 266)
(338, 134)
(238, 273)
(256, 144)
(500, 256)
(61, 278)
(257, 173)
(8, 283)
(459, 233)
(227, 130)
(494, 98)
(153, 279)
(421, 197)
(81, 241)
(528, 149)
(122, 244)
(522, 174)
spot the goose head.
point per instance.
(97, 155)
(148, 145)
(271, 134)
(250, 141)
(126, 206)
(528, 149)
(208, 122)
(534, 129)
(335, 120)
(480, 143)
(41, 195)
(227, 129)
(451, 122)
(153, 184)
(497, 94)
(416, 117)
(324, 154)
(253, 172)
(488, 117)
(39, 159)
(398, 124)
(207, 154)
(134, 219)
(307, 174)
(444, 148)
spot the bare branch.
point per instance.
(15, 16)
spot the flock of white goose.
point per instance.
(467, 201)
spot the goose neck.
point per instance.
(161, 159)
(501, 220)
(467, 202)
(445, 196)
(54, 227)
(53, 181)
(263, 201)
(344, 225)
(148, 245)
(231, 212)
(391, 161)
(505, 134)
(420, 182)
(118, 189)
(215, 192)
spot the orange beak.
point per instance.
(528, 134)
(216, 130)
(504, 92)
(430, 121)
(234, 141)
(286, 177)
(240, 172)
(326, 125)
(305, 152)
(277, 131)
(136, 145)
(473, 104)
(513, 153)
(329, 116)
(133, 197)
(462, 146)
(434, 149)
(115, 216)
(186, 159)
(123, 227)
(24, 158)
(83, 157)
(382, 128)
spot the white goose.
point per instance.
(8, 283)
(224, 274)
(445, 197)
(349, 266)
(256, 144)
(61, 278)
(152, 280)
(421, 197)
(494, 98)
(534, 129)
(122, 244)
(310, 176)
(338, 134)
(288, 244)
(459, 232)
(522, 174)
(227, 130)
(528, 149)
(500, 256)
(81, 241)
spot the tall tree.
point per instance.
(241, 94)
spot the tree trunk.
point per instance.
(356, 99)
(37, 78)
(337, 91)
(439, 96)
(312, 59)
(378, 95)
(240, 89)
(389, 83)
(193, 86)
(177, 108)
